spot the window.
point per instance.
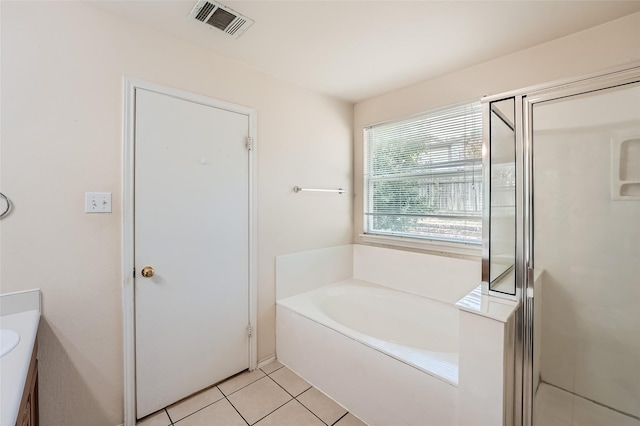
(423, 176)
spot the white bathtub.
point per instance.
(388, 357)
(415, 330)
(347, 321)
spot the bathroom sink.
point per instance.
(8, 340)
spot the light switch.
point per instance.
(97, 202)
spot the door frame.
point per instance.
(130, 85)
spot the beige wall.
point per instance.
(608, 45)
(62, 68)
(62, 65)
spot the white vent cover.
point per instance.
(221, 17)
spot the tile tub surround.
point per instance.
(308, 270)
(270, 396)
(442, 278)
(415, 273)
(19, 312)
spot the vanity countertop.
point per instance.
(19, 312)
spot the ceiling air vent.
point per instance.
(221, 17)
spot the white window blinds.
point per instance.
(423, 176)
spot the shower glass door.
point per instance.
(585, 215)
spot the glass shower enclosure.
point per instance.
(576, 247)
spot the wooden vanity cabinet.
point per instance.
(28, 412)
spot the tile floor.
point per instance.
(556, 407)
(269, 396)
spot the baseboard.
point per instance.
(266, 360)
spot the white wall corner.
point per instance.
(305, 271)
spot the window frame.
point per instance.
(428, 243)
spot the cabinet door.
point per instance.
(28, 412)
(33, 398)
(25, 418)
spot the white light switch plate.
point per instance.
(97, 202)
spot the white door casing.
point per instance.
(201, 247)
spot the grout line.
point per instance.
(190, 414)
(341, 417)
(593, 401)
(167, 413)
(234, 407)
(309, 410)
(281, 387)
(268, 374)
(259, 378)
(292, 395)
(303, 391)
(265, 416)
(293, 398)
(224, 396)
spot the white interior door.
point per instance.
(191, 225)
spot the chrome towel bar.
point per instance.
(299, 189)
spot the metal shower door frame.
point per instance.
(602, 82)
(525, 100)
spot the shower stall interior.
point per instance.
(562, 164)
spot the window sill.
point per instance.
(465, 249)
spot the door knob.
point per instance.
(147, 272)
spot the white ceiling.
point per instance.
(354, 50)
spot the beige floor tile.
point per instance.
(291, 414)
(239, 381)
(158, 419)
(545, 419)
(271, 367)
(194, 403)
(555, 402)
(220, 413)
(350, 420)
(321, 405)
(290, 381)
(259, 399)
(586, 413)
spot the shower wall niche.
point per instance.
(625, 168)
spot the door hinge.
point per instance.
(250, 330)
(249, 143)
(134, 272)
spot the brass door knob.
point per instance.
(147, 272)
